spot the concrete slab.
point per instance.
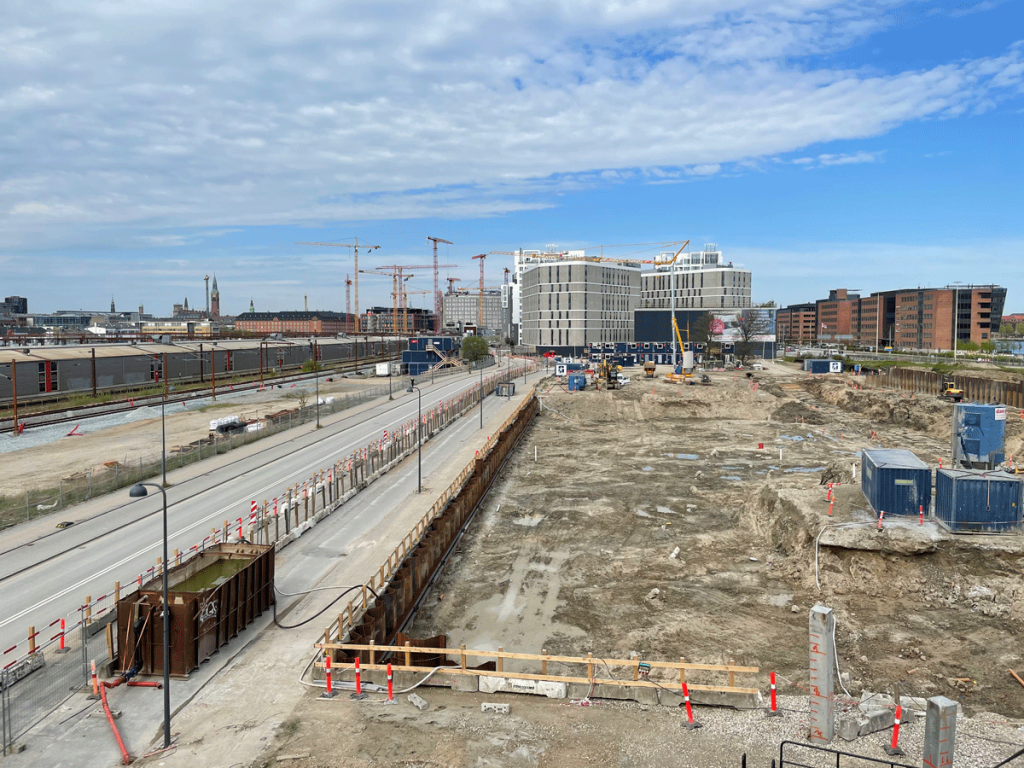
(490, 684)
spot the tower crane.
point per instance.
(437, 293)
(355, 253)
(480, 298)
(451, 283)
(395, 271)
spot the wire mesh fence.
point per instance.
(36, 684)
(114, 475)
(41, 672)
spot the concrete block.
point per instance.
(490, 684)
(417, 702)
(466, 683)
(498, 709)
(616, 692)
(751, 700)
(877, 720)
(849, 727)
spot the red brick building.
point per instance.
(298, 323)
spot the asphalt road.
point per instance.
(46, 574)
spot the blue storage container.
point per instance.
(814, 365)
(577, 382)
(979, 433)
(978, 501)
(895, 481)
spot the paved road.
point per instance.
(46, 574)
(227, 711)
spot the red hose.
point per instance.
(110, 719)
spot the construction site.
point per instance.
(609, 545)
(660, 523)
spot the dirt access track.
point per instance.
(573, 553)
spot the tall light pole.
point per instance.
(481, 393)
(137, 491)
(316, 375)
(419, 434)
(956, 317)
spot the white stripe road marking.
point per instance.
(215, 515)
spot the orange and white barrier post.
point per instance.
(329, 693)
(830, 508)
(359, 678)
(920, 509)
(95, 683)
(894, 748)
(880, 516)
(62, 648)
(690, 723)
(774, 711)
(391, 690)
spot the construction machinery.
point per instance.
(609, 374)
(649, 369)
(355, 252)
(437, 292)
(950, 391)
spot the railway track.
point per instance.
(79, 412)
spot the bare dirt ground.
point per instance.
(43, 466)
(569, 547)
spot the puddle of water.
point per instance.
(794, 438)
(666, 511)
(732, 477)
(647, 469)
(804, 469)
(687, 456)
(531, 521)
(641, 513)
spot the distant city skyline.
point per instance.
(821, 144)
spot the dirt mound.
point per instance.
(794, 411)
(924, 413)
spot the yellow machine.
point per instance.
(649, 369)
(679, 374)
(609, 374)
(951, 392)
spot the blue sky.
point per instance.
(871, 144)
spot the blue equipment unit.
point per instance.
(895, 481)
(814, 365)
(979, 435)
(577, 382)
(978, 501)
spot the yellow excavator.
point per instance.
(609, 374)
(950, 391)
(679, 374)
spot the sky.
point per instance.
(871, 145)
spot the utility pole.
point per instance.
(207, 279)
(480, 298)
(355, 254)
(437, 292)
(348, 301)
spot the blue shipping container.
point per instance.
(895, 481)
(813, 365)
(577, 382)
(978, 435)
(978, 501)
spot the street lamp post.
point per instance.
(956, 317)
(137, 491)
(316, 376)
(419, 434)
(481, 393)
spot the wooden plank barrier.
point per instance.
(590, 663)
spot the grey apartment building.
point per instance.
(566, 305)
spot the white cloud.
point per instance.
(239, 113)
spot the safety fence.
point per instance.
(34, 683)
(404, 577)
(975, 388)
(115, 475)
(637, 673)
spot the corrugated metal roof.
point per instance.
(895, 458)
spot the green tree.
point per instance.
(1020, 329)
(988, 346)
(474, 348)
(749, 325)
(967, 346)
(1006, 329)
(700, 329)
